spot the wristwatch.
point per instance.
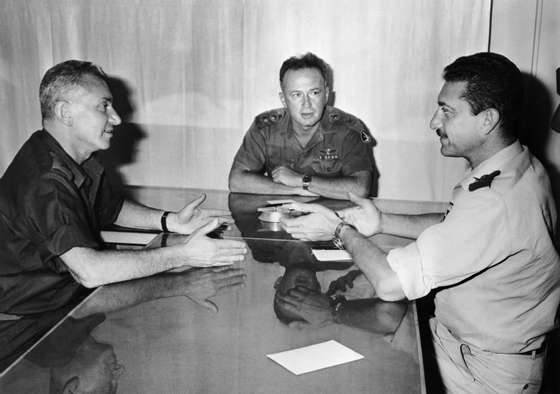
(305, 181)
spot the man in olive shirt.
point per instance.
(308, 147)
(54, 198)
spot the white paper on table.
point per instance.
(314, 357)
(331, 255)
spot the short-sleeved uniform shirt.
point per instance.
(48, 205)
(341, 146)
(493, 257)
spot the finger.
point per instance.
(298, 324)
(207, 227)
(197, 201)
(231, 283)
(305, 207)
(210, 305)
(231, 244)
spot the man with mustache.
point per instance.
(491, 260)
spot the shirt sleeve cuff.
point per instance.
(406, 262)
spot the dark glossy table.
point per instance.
(148, 338)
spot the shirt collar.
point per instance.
(493, 163)
(79, 172)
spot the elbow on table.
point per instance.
(81, 264)
(235, 181)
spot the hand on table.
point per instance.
(286, 176)
(313, 307)
(202, 251)
(319, 225)
(365, 216)
(201, 284)
(192, 217)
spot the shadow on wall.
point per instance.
(535, 128)
(535, 132)
(374, 190)
(127, 136)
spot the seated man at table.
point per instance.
(54, 199)
(491, 258)
(307, 147)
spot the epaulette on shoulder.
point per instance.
(270, 118)
(484, 181)
(337, 117)
(59, 168)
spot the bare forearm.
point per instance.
(248, 182)
(371, 314)
(136, 215)
(410, 226)
(372, 261)
(118, 296)
(94, 268)
(338, 188)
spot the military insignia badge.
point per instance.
(366, 139)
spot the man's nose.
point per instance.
(114, 117)
(435, 122)
(306, 101)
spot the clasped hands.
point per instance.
(321, 222)
(289, 177)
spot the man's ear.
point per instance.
(71, 386)
(63, 113)
(490, 120)
(282, 98)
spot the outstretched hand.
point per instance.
(319, 225)
(202, 251)
(365, 216)
(192, 217)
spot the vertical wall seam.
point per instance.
(536, 36)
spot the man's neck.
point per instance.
(489, 149)
(303, 134)
(61, 136)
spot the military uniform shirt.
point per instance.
(48, 205)
(493, 257)
(341, 146)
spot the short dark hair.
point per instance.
(63, 77)
(493, 81)
(309, 60)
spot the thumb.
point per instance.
(196, 202)
(298, 206)
(209, 305)
(205, 304)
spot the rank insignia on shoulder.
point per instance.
(484, 180)
(364, 136)
(269, 118)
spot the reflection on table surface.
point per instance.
(153, 336)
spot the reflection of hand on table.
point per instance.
(312, 306)
(201, 284)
